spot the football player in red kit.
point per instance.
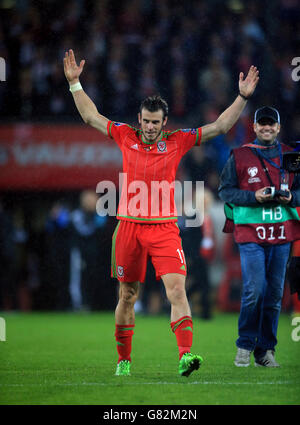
(147, 224)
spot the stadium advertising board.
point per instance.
(49, 157)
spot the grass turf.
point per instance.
(63, 359)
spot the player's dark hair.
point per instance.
(155, 103)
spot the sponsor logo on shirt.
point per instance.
(117, 124)
(252, 171)
(162, 147)
(135, 146)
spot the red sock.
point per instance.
(183, 329)
(123, 336)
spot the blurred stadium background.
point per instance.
(54, 248)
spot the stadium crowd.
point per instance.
(185, 51)
(189, 52)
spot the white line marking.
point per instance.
(102, 384)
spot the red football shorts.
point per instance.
(133, 244)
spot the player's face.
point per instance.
(266, 130)
(151, 124)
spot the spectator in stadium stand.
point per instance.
(206, 255)
(7, 261)
(200, 167)
(199, 248)
(142, 233)
(230, 287)
(57, 242)
(264, 225)
(90, 257)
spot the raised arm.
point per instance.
(84, 104)
(230, 116)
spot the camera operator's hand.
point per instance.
(284, 199)
(261, 197)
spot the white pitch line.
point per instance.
(102, 384)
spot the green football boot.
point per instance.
(188, 363)
(123, 368)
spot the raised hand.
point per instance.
(71, 69)
(247, 85)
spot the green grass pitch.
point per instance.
(70, 359)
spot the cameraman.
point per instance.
(260, 199)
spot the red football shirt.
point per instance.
(149, 171)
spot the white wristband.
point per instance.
(75, 87)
